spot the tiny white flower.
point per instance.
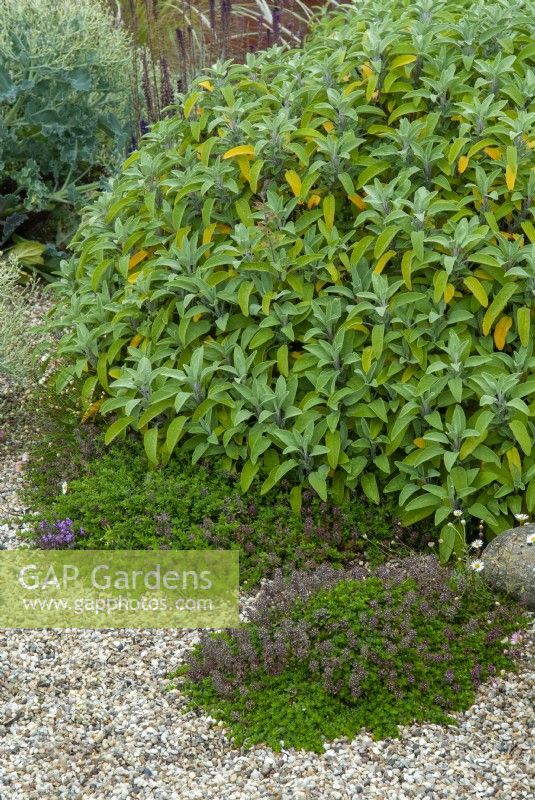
(64, 487)
(530, 538)
(522, 518)
(477, 565)
(463, 522)
(457, 512)
(476, 544)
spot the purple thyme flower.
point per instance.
(56, 535)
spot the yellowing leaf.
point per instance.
(313, 201)
(328, 210)
(383, 261)
(245, 168)
(135, 340)
(463, 163)
(449, 292)
(402, 61)
(296, 354)
(137, 258)
(366, 70)
(222, 228)
(196, 317)
(529, 230)
(294, 181)
(477, 290)
(351, 87)
(319, 286)
(493, 152)
(135, 275)
(282, 360)
(328, 126)
(511, 167)
(208, 233)
(92, 410)
(189, 103)
(208, 85)
(515, 462)
(523, 323)
(115, 373)
(333, 272)
(419, 442)
(497, 305)
(266, 302)
(406, 267)
(482, 274)
(357, 201)
(241, 150)
(367, 355)
(500, 331)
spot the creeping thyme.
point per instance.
(331, 651)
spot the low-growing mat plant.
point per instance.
(110, 500)
(323, 267)
(329, 653)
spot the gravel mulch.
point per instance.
(87, 715)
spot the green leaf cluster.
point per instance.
(64, 111)
(323, 266)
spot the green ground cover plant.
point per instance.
(322, 268)
(102, 499)
(65, 112)
(328, 654)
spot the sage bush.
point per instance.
(323, 267)
(65, 106)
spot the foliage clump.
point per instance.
(330, 653)
(323, 266)
(64, 111)
(109, 500)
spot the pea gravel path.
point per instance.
(85, 715)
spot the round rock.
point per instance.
(510, 563)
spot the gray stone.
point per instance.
(510, 563)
